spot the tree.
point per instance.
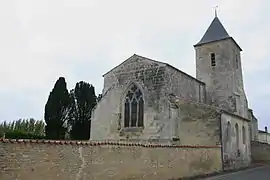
(83, 100)
(23, 129)
(57, 110)
(39, 128)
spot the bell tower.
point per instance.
(218, 64)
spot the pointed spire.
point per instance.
(215, 32)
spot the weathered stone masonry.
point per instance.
(64, 160)
(260, 152)
(194, 127)
(157, 81)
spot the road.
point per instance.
(259, 173)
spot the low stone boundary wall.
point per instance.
(260, 152)
(77, 160)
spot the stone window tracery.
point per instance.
(134, 107)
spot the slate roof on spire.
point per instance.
(215, 32)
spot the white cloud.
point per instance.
(81, 40)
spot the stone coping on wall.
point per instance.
(103, 143)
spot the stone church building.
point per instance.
(148, 100)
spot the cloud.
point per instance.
(42, 40)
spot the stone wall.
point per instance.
(235, 143)
(253, 126)
(108, 116)
(44, 160)
(260, 152)
(157, 81)
(195, 123)
(145, 71)
(264, 137)
(224, 82)
(183, 85)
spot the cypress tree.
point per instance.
(83, 100)
(57, 110)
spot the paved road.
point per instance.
(259, 173)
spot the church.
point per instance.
(148, 100)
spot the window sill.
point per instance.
(132, 129)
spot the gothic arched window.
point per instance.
(134, 105)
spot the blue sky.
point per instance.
(81, 40)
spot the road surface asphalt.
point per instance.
(258, 173)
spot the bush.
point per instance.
(21, 135)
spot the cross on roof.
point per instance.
(215, 10)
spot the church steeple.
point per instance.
(218, 64)
(215, 32)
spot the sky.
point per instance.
(83, 39)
